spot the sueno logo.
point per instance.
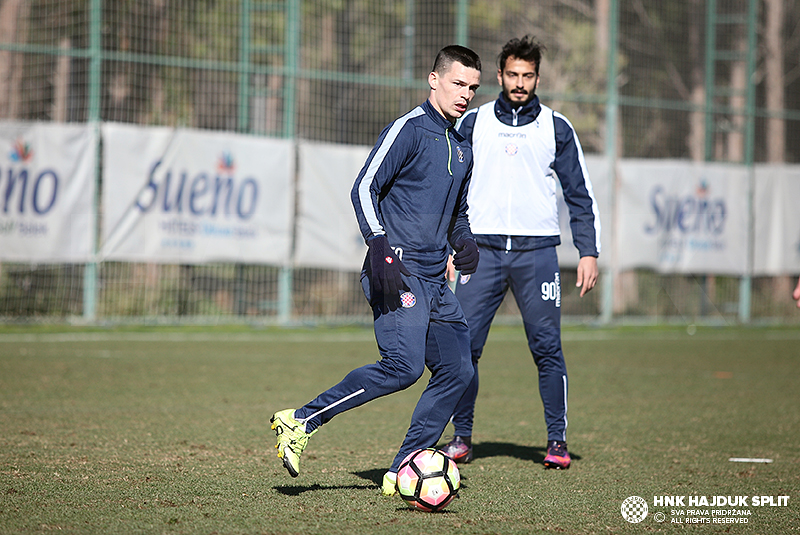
(22, 191)
(691, 213)
(199, 195)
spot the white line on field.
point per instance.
(366, 335)
(184, 337)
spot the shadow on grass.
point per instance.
(297, 490)
(482, 450)
(375, 475)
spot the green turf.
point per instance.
(165, 431)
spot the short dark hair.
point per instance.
(526, 49)
(455, 53)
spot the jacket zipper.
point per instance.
(449, 150)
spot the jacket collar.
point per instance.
(439, 119)
(519, 116)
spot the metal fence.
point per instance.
(712, 80)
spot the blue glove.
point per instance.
(466, 257)
(385, 268)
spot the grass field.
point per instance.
(166, 431)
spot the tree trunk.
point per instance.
(697, 132)
(602, 10)
(13, 29)
(61, 84)
(774, 81)
(738, 101)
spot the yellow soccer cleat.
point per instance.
(389, 487)
(292, 439)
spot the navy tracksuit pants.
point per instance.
(534, 278)
(429, 330)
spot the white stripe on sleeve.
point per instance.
(364, 196)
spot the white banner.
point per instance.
(328, 236)
(47, 192)
(777, 228)
(179, 196)
(681, 217)
(189, 197)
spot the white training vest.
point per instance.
(513, 187)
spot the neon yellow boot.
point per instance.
(292, 439)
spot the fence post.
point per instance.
(746, 283)
(612, 111)
(292, 63)
(93, 117)
(462, 22)
(244, 66)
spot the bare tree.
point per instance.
(735, 139)
(696, 138)
(13, 29)
(774, 80)
(60, 107)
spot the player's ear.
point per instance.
(433, 79)
(500, 77)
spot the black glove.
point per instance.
(466, 257)
(385, 267)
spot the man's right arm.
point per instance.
(383, 163)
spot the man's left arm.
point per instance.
(461, 237)
(570, 167)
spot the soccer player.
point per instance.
(521, 149)
(410, 200)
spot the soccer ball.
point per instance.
(428, 480)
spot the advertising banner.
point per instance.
(681, 217)
(47, 191)
(191, 197)
(328, 236)
(777, 226)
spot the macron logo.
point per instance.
(519, 135)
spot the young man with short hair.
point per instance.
(410, 200)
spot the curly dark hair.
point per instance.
(526, 49)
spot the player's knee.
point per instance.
(466, 374)
(546, 343)
(404, 371)
(409, 373)
(464, 370)
(550, 364)
(476, 356)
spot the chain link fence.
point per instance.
(705, 80)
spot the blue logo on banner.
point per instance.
(689, 214)
(22, 190)
(203, 194)
(694, 222)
